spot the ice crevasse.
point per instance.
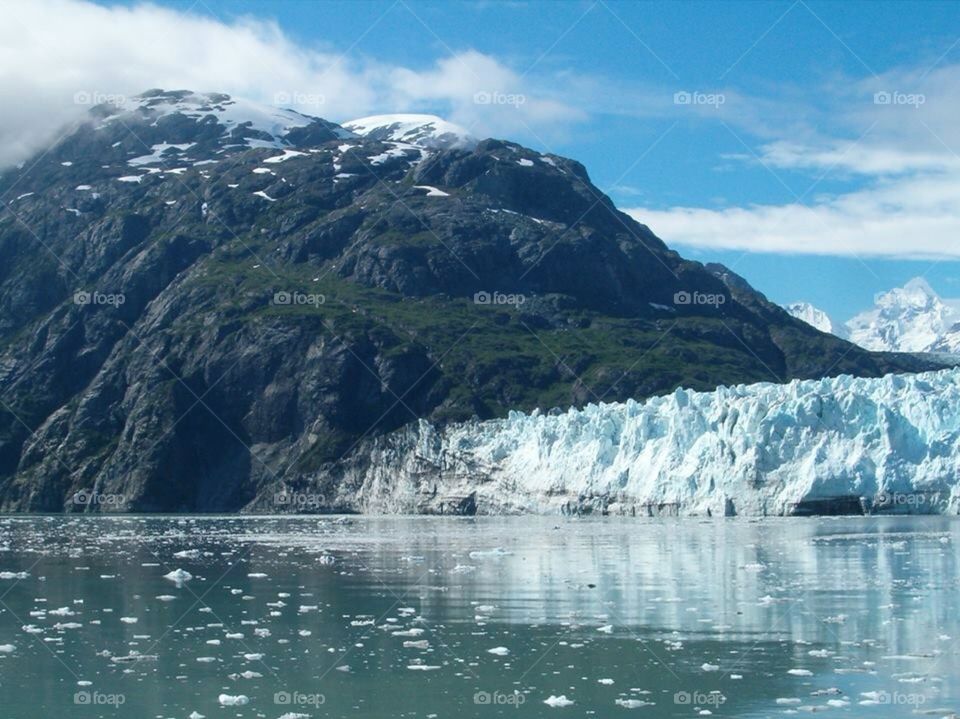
(836, 445)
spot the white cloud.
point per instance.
(914, 217)
(892, 139)
(50, 50)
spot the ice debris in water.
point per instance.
(178, 576)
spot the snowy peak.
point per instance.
(422, 130)
(190, 116)
(815, 317)
(912, 318)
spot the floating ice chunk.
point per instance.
(423, 667)
(632, 703)
(7, 648)
(800, 672)
(412, 632)
(229, 700)
(187, 554)
(129, 620)
(14, 575)
(710, 667)
(560, 701)
(264, 195)
(605, 681)
(178, 576)
(606, 629)
(134, 657)
(499, 651)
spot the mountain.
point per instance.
(816, 318)
(423, 130)
(834, 446)
(912, 318)
(203, 299)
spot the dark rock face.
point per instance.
(197, 327)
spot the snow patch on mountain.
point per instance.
(815, 317)
(421, 130)
(255, 124)
(889, 444)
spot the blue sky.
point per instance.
(787, 165)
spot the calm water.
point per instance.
(430, 617)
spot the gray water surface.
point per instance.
(440, 617)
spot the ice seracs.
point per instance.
(421, 130)
(844, 444)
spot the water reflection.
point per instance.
(385, 617)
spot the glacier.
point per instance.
(835, 445)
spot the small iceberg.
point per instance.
(178, 577)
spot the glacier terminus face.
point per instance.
(833, 446)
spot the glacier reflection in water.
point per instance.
(438, 617)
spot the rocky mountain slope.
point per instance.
(202, 299)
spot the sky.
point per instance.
(810, 146)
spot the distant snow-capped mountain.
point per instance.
(912, 318)
(422, 130)
(815, 317)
